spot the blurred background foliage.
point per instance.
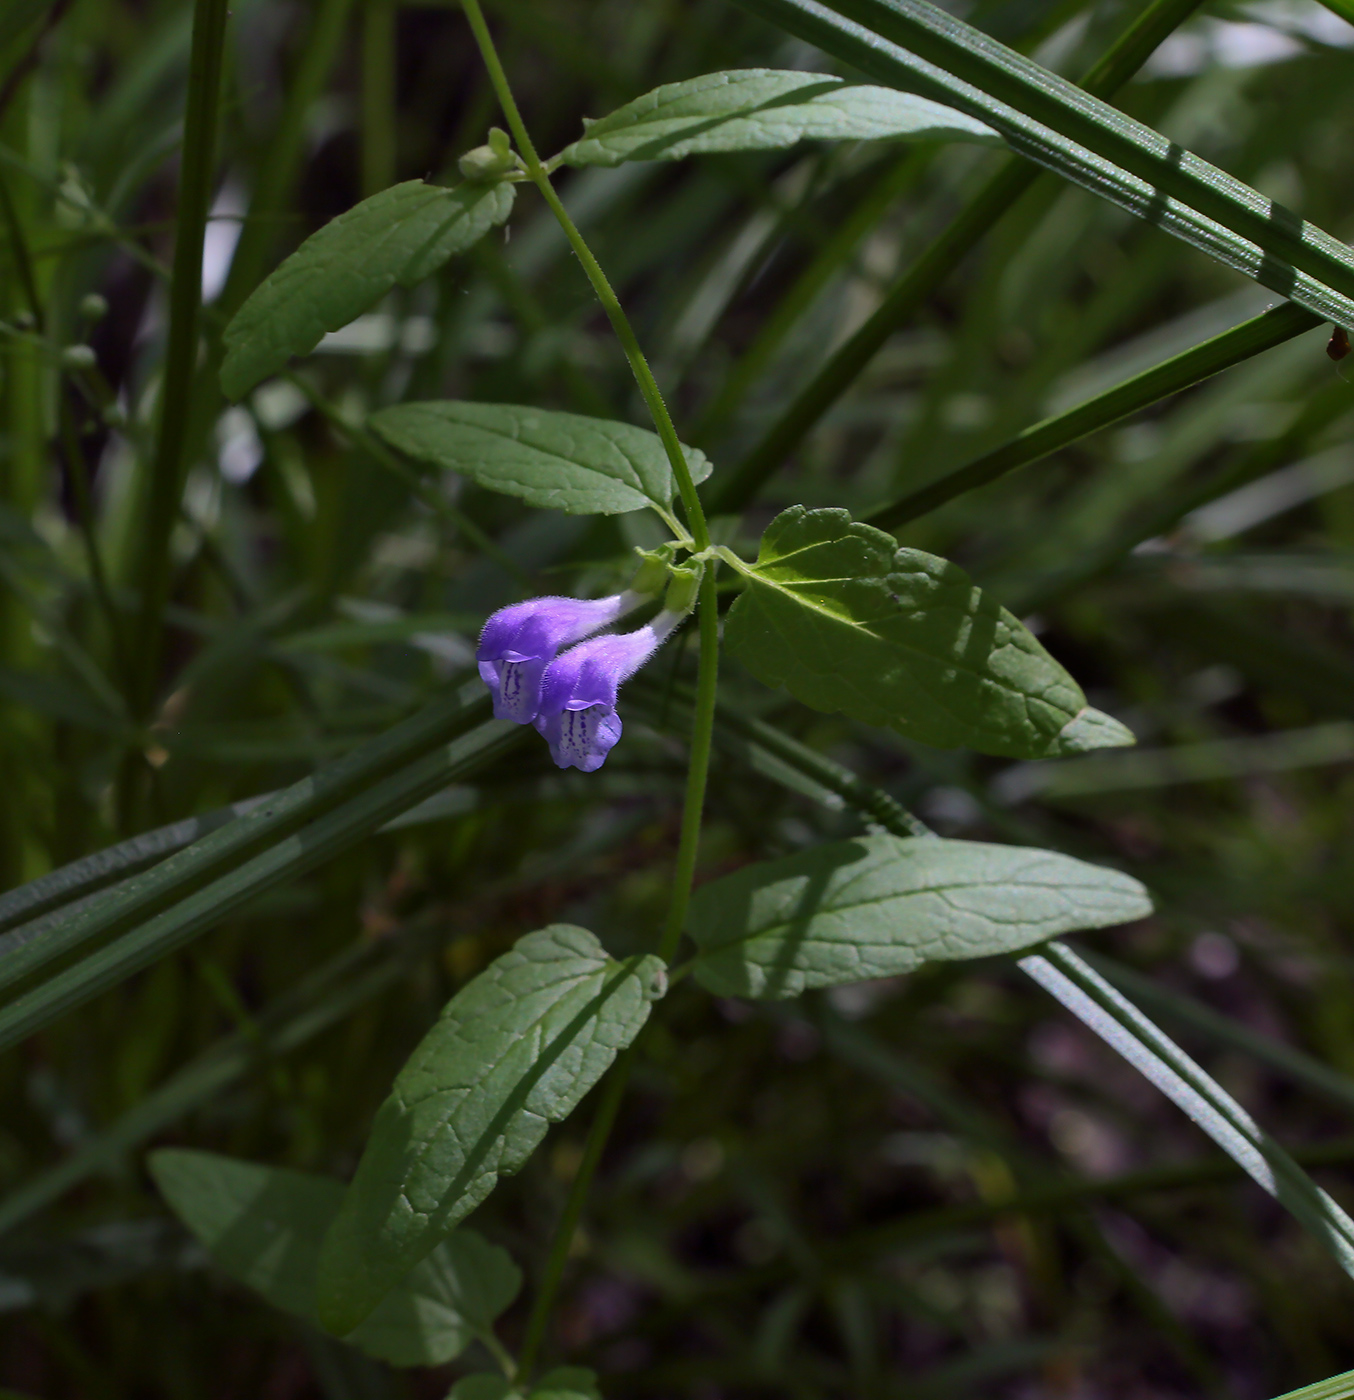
(799, 1201)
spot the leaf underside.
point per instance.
(264, 1226)
(395, 238)
(556, 461)
(842, 618)
(881, 905)
(762, 109)
(513, 1051)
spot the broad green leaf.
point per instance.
(395, 238)
(845, 620)
(264, 1226)
(761, 109)
(882, 905)
(558, 461)
(514, 1050)
(565, 1383)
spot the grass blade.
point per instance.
(1001, 76)
(907, 296)
(164, 488)
(144, 895)
(1241, 229)
(289, 857)
(1154, 1055)
(1171, 376)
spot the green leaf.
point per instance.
(264, 1227)
(558, 461)
(882, 905)
(1339, 1387)
(845, 620)
(514, 1050)
(760, 109)
(565, 1383)
(395, 238)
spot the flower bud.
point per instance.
(93, 307)
(485, 164)
(78, 357)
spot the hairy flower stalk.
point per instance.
(520, 641)
(578, 695)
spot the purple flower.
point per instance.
(520, 641)
(577, 712)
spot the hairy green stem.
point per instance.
(702, 732)
(698, 770)
(620, 323)
(910, 293)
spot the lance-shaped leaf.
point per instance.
(264, 1227)
(558, 461)
(513, 1051)
(761, 109)
(845, 620)
(395, 238)
(882, 905)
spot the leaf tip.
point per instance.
(1093, 729)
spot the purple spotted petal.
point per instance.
(520, 641)
(577, 713)
(581, 738)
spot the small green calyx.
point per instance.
(487, 164)
(654, 568)
(684, 588)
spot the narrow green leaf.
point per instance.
(513, 1051)
(557, 461)
(1160, 1060)
(1339, 1387)
(845, 620)
(395, 238)
(91, 873)
(916, 47)
(266, 824)
(1005, 77)
(264, 1226)
(881, 905)
(761, 109)
(1171, 376)
(206, 907)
